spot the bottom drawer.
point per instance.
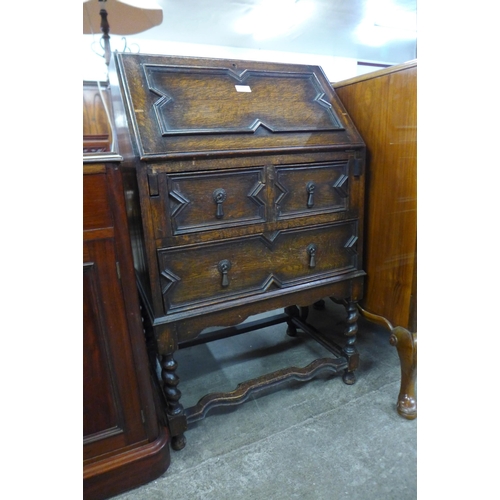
(193, 276)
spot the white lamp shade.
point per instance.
(125, 17)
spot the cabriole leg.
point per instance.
(406, 344)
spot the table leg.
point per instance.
(406, 345)
(349, 350)
(175, 411)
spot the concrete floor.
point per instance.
(318, 440)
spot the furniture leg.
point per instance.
(406, 345)
(319, 305)
(175, 411)
(297, 312)
(349, 350)
(292, 311)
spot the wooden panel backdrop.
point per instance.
(383, 106)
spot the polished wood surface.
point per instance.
(96, 127)
(383, 106)
(239, 202)
(123, 443)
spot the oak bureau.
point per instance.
(244, 184)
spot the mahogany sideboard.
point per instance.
(96, 125)
(383, 106)
(245, 193)
(124, 441)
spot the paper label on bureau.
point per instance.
(243, 88)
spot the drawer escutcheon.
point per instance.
(311, 251)
(220, 197)
(224, 267)
(310, 194)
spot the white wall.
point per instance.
(94, 68)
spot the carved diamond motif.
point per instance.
(168, 281)
(255, 192)
(341, 186)
(178, 202)
(281, 193)
(350, 246)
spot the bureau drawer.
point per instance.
(212, 200)
(303, 190)
(193, 276)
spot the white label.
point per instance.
(242, 88)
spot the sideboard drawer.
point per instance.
(193, 276)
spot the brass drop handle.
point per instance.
(224, 267)
(219, 196)
(310, 194)
(311, 251)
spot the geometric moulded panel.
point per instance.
(198, 101)
(256, 264)
(314, 189)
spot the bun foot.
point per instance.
(178, 442)
(349, 378)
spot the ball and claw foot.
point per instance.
(178, 442)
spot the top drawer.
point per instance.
(303, 190)
(192, 202)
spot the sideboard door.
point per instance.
(112, 412)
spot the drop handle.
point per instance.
(311, 251)
(310, 194)
(219, 196)
(224, 267)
